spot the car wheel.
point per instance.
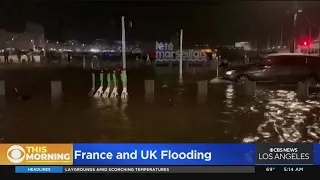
(242, 79)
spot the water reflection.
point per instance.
(123, 113)
(3, 102)
(230, 95)
(202, 98)
(112, 114)
(286, 119)
(149, 97)
(3, 105)
(222, 115)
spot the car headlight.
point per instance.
(230, 72)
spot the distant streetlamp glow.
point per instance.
(94, 50)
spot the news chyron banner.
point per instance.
(36, 154)
(199, 158)
(164, 154)
(127, 154)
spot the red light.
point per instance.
(305, 42)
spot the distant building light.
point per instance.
(94, 50)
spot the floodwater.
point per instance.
(173, 115)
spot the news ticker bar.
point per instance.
(166, 169)
(134, 169)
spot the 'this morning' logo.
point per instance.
(166, 51)
(49, 154)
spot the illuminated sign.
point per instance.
(166, 52)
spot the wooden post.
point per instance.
(149, 90)
(2, 88)
(303, 90)
(202, 87)
(2, 94)
(149, 86)
(56, 89)
(202, 91)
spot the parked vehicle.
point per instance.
(280, 68)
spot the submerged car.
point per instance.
(279, 68)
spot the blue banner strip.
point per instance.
(39, 169)
(164, 154)
(316, 154)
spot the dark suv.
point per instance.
(282, 68)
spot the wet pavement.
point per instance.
(174, 115)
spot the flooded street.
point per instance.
(173, 115)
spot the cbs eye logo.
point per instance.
(16, 154)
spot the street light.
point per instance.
(33, 45)
(295, 16)
(181, 53)
(123, 43)
(11, 43)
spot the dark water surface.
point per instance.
(174, 115)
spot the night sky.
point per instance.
(203, 22)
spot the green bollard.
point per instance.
(101, 79)
(114, 92)
(107, 91)
(109, 80)
(123, 76)
(100, 90)
(114, 77)
(123, 79)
